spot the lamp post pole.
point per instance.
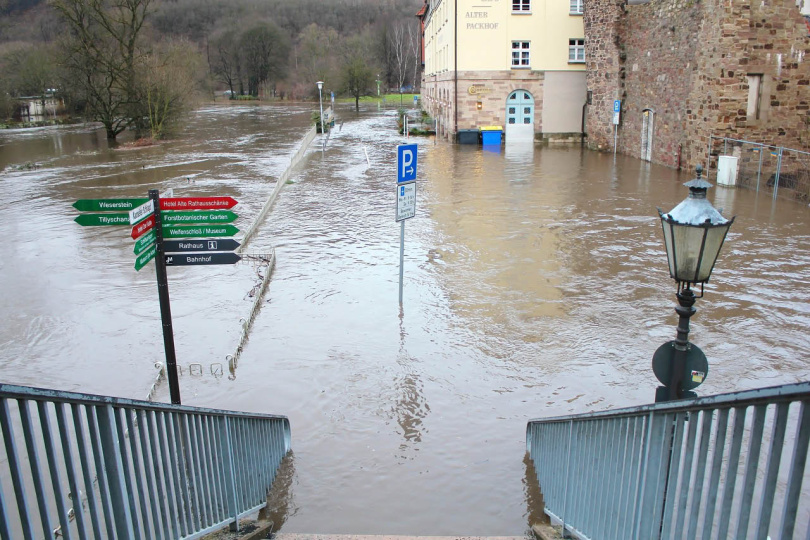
(320, 100)
(685, 310)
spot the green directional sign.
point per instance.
(107, 205)
(145, 257)
(91, 220)
(145, 241)
(211, 216)
(185, 231)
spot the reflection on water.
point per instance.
(535, 285)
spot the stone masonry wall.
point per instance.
(658, 45)
(601, 19)
(768, 38)
(689, 61)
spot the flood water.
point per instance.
(535, 285)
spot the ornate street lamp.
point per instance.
(320, 100)
(694, 232)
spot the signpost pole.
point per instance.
(165, 307)
(401, 258)
(615, 139)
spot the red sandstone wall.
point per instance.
(688, 60)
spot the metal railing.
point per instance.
(763, 166)
(726, 466)
(82, 466)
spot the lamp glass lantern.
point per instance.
(694, 232)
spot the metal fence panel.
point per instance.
(678, 470)
(81, 466)
(775, 170)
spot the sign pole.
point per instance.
(165, 307)
(615, 139)
(407, 157)
(401, 258)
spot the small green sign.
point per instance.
(144, 241)
(145, 257)
(211, 216)
(92, 220)
(107, 205)
(202, 231)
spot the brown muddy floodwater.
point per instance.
(535, 285)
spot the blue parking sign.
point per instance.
(406, 162)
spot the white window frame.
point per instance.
(575, 7)
(521, 6)
(754, 111)
(576, 47)
(523, 59)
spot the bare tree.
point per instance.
(167, 81)
(101, 53)
(358, 73)
(414, 42)
(401, 54)
(265, 51)
(224, 60)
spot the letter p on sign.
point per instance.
(406, 162)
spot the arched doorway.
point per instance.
(520, 116)
(647, 127)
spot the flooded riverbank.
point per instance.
(535, 285)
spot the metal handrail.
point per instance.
(88, 466)
(694, 468)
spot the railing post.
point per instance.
(759, 171)
(230, 476)
(111, 451)
(567, 473)
(778, 173)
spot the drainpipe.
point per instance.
(582, 128)
(455, 59)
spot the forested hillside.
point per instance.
(130, 61)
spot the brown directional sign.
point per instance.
(202, 259)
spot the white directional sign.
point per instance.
(406, 201)
(141, 212)
(617, 107)
(406, 162)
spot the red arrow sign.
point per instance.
(198, 203)
(143, 226)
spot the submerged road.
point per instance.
(535, 285)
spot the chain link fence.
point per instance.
(783, 172)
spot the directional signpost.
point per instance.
(198, 203)
(144, 241)
(141, 212)
(143, 258)
(177, 259)
(187, 231)
(407, 155)
(142, 227)
(107, 205)
(214, 216)
(181, 246)
(102, 219)
(201, 219)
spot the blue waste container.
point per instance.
(491, 135)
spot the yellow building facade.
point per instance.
(519, 64)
